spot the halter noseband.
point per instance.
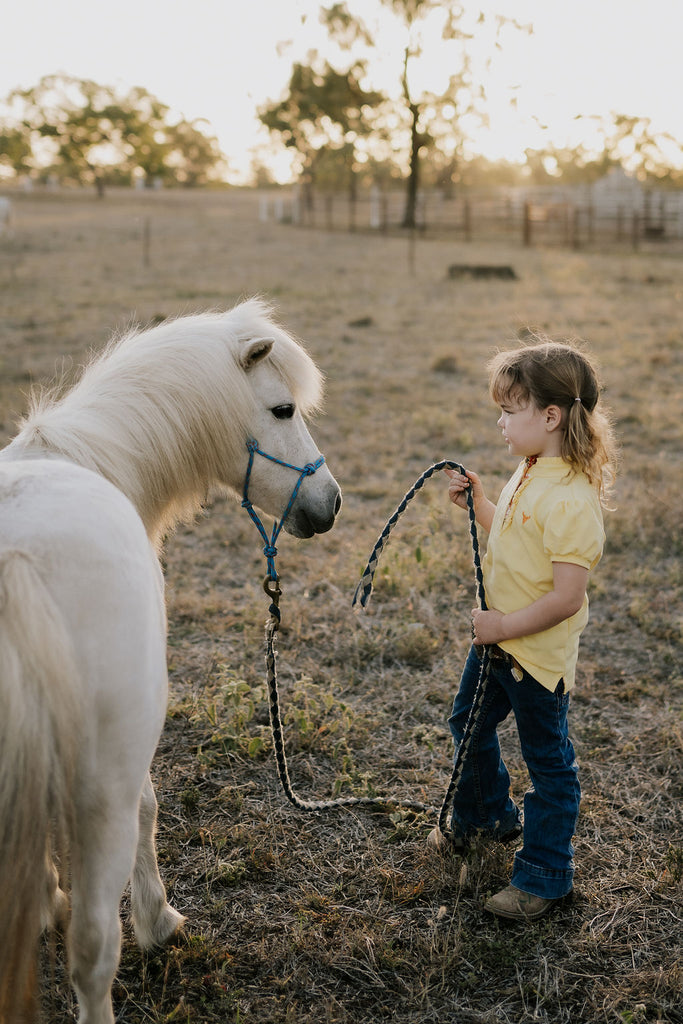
(270, 551)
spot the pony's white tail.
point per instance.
(38, 746)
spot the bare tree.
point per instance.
(432, 119)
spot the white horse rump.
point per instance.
(88, 489)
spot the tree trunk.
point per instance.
(409, 216)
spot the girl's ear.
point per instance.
(553, 417)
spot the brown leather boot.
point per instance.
(517, 905)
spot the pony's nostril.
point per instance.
(338, 503)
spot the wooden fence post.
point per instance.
(146, 242)
(467, 220)
(352, 212)
(375, 207)
(575, 234)
(527, 225)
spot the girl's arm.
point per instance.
(560, 603)
(458, 484)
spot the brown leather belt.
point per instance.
(497, 653)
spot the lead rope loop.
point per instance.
(364, 590)
(271, 585)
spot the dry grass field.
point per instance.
(346, 916)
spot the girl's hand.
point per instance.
(457, 491)
(458, 485)
(487, 627)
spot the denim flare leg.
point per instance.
(544, 866)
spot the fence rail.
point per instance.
(655, 222)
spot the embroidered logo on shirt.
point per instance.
(525, 518)
(529, 462)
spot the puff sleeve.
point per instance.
(574, 532)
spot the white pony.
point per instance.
(88, 489)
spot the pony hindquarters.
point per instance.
(38, 750)
(116, 607)
(80, 727)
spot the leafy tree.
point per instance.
(627, 141)
(92, 133)
(193, 156)
(571, 166)
(651, 155)
(322, 115)
(15, 149)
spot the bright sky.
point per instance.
(220, 59)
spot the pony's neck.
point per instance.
(158, 500)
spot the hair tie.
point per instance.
(578, 399)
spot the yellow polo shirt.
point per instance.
(546, 513)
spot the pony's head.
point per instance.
(284, 387)
(166, 414)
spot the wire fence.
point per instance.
(652, 220)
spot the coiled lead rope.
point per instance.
(272, 624)
(271, 586)
(364, 590)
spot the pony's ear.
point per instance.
(254, 351)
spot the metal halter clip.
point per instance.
(274, 591)
(271, 585)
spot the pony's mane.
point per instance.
(161, 412)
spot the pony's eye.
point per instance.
(283, 412)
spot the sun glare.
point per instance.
(554, 87)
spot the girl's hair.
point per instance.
(552, 373)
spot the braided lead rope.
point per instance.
(272, 588)
(271, 585)
(279, 743)
(364, 590)
(466, 742)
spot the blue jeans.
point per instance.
(544, 866)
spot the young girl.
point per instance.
(545, 535)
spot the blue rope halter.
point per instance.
(269, 550)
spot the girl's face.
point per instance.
(530, 431)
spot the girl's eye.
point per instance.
(283, 412)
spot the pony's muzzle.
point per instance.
(309, 517)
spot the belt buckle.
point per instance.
(516, 670)
(497, 653)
